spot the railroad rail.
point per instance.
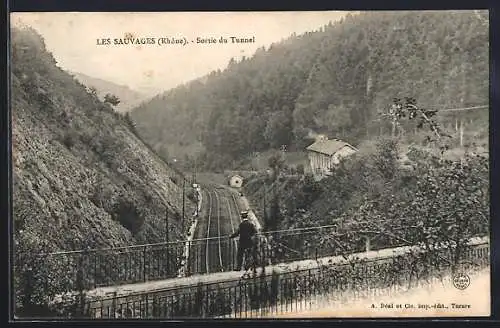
(207, 250)
(215, 252)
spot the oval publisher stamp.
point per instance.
(461, 281)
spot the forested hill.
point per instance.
(81, 178)
(333, 80)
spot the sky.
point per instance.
(72, 39)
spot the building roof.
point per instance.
(328, 147)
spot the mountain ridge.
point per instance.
(332, 81)
(129, 97)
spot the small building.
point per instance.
(325, 153)
(236, 181)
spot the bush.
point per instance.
(69, 139)
(438, 202)
(131, 124)
(446, 205)
(37, 279)
(111, 99)
(386, 158)
(300, 169)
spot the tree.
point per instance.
(93, 91)
(333, 80)
(275, 215)
(386, 159)
(402, 111)
(335, 119)
(300, 169)
(276, 162)
(279, 129)
(111, 99)
(130, 122)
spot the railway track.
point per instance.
(213, 251)
(207, 253)
(234, 217)
(218, 229)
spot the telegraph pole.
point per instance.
(166, 224)
(461, 133)
(264, 214)
(183, 200)
(197, 202)
(167, 239)
(194, 173)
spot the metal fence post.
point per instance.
(113, 305)
(28, 291)
(167, 239)
(367, 243)
(87, 277)
(144, 263)
(183, 202)
(188, 260)
(80, 282)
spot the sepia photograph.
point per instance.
(250, 165)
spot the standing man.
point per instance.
(246, 231)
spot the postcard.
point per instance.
(176, 165)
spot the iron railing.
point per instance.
(274, 293)
(120, 265)
(93, 268)
(61, 272)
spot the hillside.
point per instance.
(81, 178)
(429, 200)
(128, 98)
(334, 80)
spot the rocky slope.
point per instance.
(81, 177)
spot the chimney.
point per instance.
(321, 137)
(312, 135)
